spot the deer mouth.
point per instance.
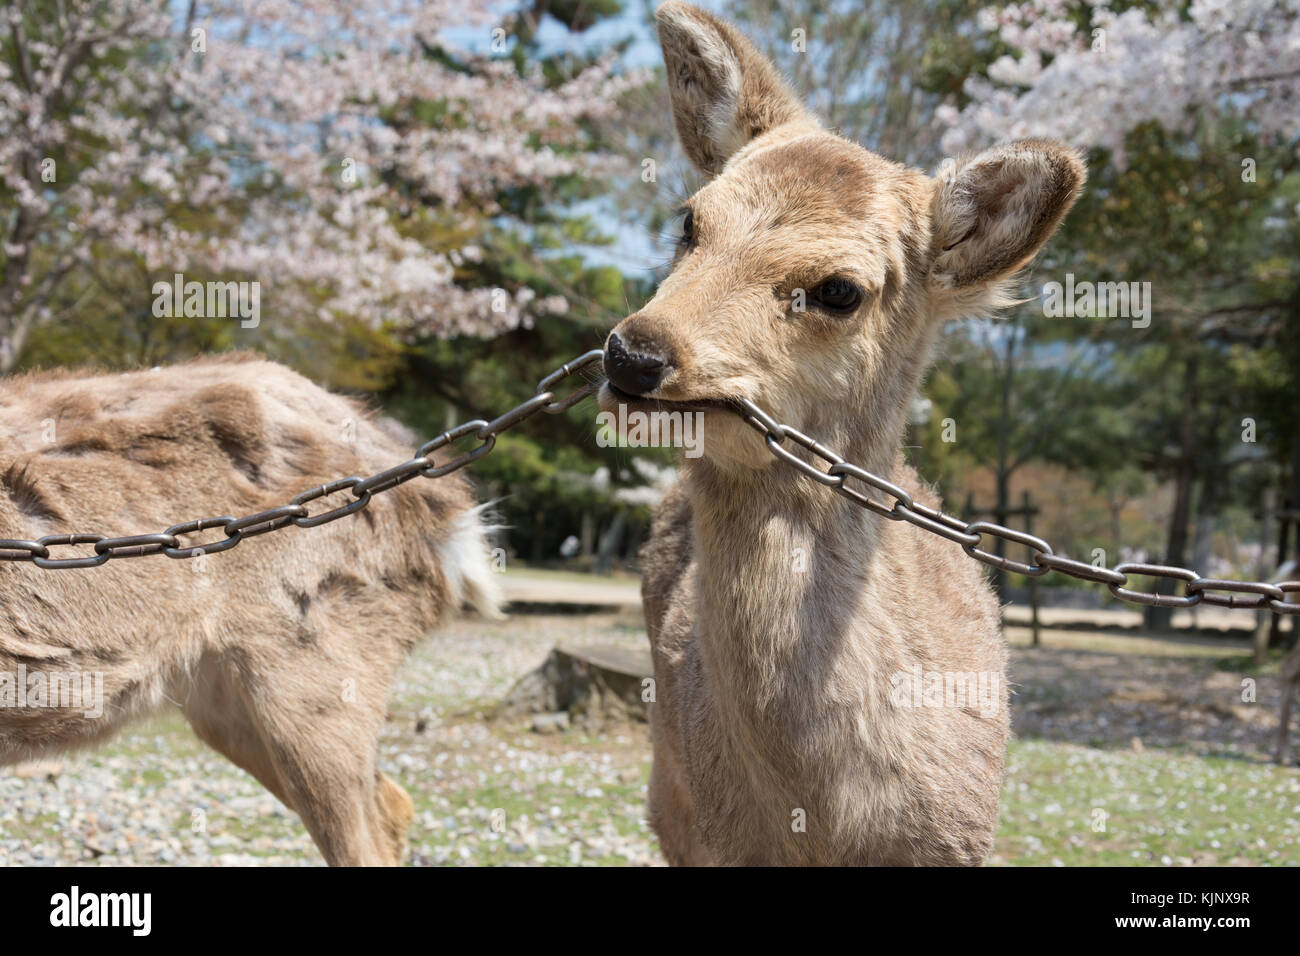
(616, 396)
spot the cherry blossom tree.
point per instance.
(1090, 72)
(1190, 111)
(343, 155)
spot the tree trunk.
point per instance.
(609, 542)
(1004, 464)
(1000, 509)
(588, 536)
(1291, 496)
(535, 552)
(1161, 618)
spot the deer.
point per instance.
(779, 736)
(280, 655)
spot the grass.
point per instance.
(1068, 805)
(556, 799)
(1062, 804)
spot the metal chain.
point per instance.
(1249, 595)
(273, 519)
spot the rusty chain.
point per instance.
(295, 513)
(1247, 595)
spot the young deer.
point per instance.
(279, 654)
(775, 738)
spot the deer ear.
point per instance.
(724, 92)
(994, 210)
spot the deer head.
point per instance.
(811, 274)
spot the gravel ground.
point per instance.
(1165, 745)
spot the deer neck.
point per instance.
(781, 565)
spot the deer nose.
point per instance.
(636, 373)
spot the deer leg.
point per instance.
(312, 747)
(356, 815)
(222, 720)
(393, 813)
(672, 816)
(669, 817)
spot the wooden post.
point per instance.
(1033, 581)
(1286, 517)
(1264, 619)
(1283, 536)
(588, 537)
(1027, 510)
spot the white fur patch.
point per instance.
(466, 561)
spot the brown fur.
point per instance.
(1289, 674)
(280, 653)
(773, 680)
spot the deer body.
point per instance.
(280, 654)
(776, 685)
(788, 624)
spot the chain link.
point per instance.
(363, 490)
(1248, 595)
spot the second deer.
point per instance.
(280, 655)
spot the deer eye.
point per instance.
(837, 295)
(688, 229)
